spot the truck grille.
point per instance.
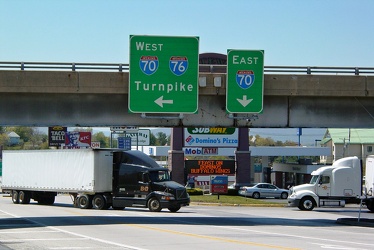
(181, 194)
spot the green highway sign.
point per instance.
(164, 74)
(245, 81)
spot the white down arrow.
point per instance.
(244, 101)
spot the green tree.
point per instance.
(100, 137)
(36, 138)
(265, 141)
(289, 143)
(169, 140)
(24, 132)
(161, 139)
(4, 139)
(30, 137)
(152, 139)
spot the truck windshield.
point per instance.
(314, 179)
(160, 175)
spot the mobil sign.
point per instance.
(211, 137)
(192, 151)
(200, 151)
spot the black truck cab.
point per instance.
(139, 181)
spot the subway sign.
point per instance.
(211, 137)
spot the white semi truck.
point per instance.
(98, 178)
(336, 185)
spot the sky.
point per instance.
(336, 33)
(291, 32)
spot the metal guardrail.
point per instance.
(64, 66)
(124, 67)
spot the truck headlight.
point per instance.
(168, 198)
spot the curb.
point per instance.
(236, 205)
(355, 222)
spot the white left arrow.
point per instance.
(244, 101)
(160, 101)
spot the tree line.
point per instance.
(33, 138)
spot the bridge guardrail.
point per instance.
(203, 68)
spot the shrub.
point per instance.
(195, 191)
(232, 192)
(199, 191)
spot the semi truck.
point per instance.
(336, 185)
(94, 178)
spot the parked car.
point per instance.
(263, 190)
(237, 186)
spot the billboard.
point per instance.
(56, 136)
(77, 139)
(139, 138)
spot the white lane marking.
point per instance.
(78, 235)
(336, 247)
(298, 236)
(27, 232)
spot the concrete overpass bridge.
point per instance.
(68, 94)
(48, 94)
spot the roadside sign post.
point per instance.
(163, 74)
(218, 184)
(245, 81)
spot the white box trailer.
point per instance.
(98, 178)
(369, 175)
(83, 170)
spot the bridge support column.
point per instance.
(243, 159)
(176, 156)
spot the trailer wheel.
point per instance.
(24, 197)
(307, 203)
(84, 202)
(154, 205)
(15, 197)
(99, 202)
